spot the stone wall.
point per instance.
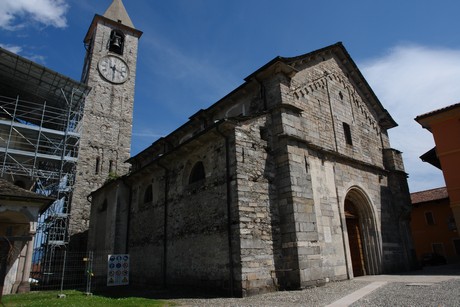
(256, 203)
(328, 100)
(109, 218)
(320, 155)
(195, 221)
(303, 168)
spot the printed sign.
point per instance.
(118, 270)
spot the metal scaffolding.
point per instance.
(40, 126)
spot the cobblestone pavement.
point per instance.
(445, 293)
(318, 296)
(432, 286)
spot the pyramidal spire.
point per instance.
(117, 12)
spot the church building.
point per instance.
(288, 181)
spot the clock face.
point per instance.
(113, 69)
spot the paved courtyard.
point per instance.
(432, 286)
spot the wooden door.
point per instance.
(356, 248)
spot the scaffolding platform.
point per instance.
(40, 127)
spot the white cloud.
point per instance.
(12, 48)
(40, 59)
(46, 12)
(411, 80)
(20, 51)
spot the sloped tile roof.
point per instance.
(7, 189)
(429, 195)
(434, 112)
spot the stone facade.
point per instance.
(107, 122)
(298, 186)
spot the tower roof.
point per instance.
(117, 12)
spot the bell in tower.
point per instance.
(116, 42)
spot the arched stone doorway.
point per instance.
(363, 235)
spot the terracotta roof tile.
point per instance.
(444, 109)
(429, 195)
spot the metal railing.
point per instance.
(84, 271)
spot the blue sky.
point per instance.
(193, 52)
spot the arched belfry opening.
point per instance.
(117, 41)
(363, 236)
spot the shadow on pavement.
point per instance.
(445, 269)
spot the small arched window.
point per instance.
(197, 173)
(347, 132)
(148, 194)
(117, 41)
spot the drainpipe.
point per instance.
(165, 224)
(229, 209)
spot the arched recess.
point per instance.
(363, 235)
(148, 194)
(197, 173)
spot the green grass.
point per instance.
(75, 298)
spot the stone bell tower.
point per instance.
(110, 70)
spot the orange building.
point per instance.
(433, 226)
(444, 124)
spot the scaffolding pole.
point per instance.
(39, 145)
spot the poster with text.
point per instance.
(118, 270)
